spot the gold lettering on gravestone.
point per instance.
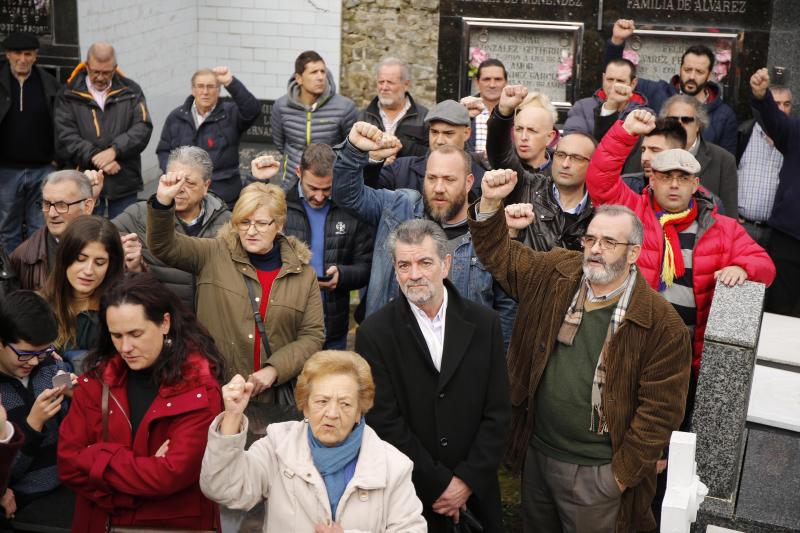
(695, 6)
(531, 57)
(25, 15)
(660, 55)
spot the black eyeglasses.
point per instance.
(41, 355)
(576, 158)
(61, 207)
(683, 119)
(261, 225)
(587, 241)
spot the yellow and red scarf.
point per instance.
(673, 223)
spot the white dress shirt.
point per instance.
(432, 330)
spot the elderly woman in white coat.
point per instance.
(330, 473)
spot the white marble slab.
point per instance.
(780, 339)
(715, 529)
(775, 398)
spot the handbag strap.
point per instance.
(262, 332)
(104, 408)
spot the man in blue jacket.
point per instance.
(214, 126)
(693, 79)
(783, 296)
(447, 182)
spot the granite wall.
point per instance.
(372, 29)
(784, 46)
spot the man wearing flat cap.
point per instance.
(27, 149)
(448, 122)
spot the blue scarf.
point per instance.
(336, 464)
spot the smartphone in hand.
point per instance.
(62, 380)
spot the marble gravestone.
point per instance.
(667, 28)
(56, 24)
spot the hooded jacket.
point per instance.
(296, 125)
(134, 220)
(723, 126)
(83, 129)
(293, 320)
(218, 134)
(119, 480)
(721, 241)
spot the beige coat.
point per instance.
(294, 321)
(278, 468)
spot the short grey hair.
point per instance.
(414, 232)
(194, 157)
(405, 71)
(699, 111)
(78, 178)
(637, 233)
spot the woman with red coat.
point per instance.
(161, 368)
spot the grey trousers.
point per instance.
(559, 497)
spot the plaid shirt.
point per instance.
(758, 176)
(480, 130)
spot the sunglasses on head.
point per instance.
(684, 120)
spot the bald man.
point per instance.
(102, 123)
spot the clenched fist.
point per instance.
(169, 185)
(264, 167)
(511, 97)
(639, 122)
(473, 104)
(623, 29)
(223, 75)
(519, 217)
(759, 83)
(235, 396)
(617, 98)
(368, 138)
(496, 185)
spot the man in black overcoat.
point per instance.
(441, 383)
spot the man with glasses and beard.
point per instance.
(447, 181)
(693, 79)
(586, 385)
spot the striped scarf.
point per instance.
(569, 328)
(673, 223)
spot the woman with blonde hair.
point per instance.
(256, 292)
(329, 473)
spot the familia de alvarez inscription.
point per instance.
(696, 6)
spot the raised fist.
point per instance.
(639, 122)
(519, 217)
(264, 167)
(223, 74)
(619, 95)
(623, 29)
(132, 247)
(367, 137)
(473, 104)
(759, 83)
(96, 178)
(511, 97)
(236, 394)
(389, 153)
(169, 185)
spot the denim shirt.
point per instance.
(386, 210)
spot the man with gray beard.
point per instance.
(596, 391)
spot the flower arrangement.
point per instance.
(476, 57)
(722, 56)
(564, 71)
(631, 55)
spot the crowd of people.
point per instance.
(531, 296)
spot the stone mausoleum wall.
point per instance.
(372, 29)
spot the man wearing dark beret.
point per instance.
(27, 149)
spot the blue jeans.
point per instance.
(112, 208)
(20, 192)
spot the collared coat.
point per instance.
(29, 261)
(647, 365)
(279, 471)
(83, 129)
(293, 321)
(120, 479)
(410, 129)
(452, 422)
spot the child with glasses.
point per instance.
(28, 329)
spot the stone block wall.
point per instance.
(372, 29)
(156, 44)
(260, 39)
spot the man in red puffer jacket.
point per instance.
(687, 244)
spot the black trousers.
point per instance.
(783, 297)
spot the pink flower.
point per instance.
(564, 72)
(631, 55)
(477, 56)
(721, 70)
(723, 56)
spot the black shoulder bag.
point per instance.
(284, 394)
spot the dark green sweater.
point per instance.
(564, 397)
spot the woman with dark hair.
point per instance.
(89, 261)
(132, 443)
